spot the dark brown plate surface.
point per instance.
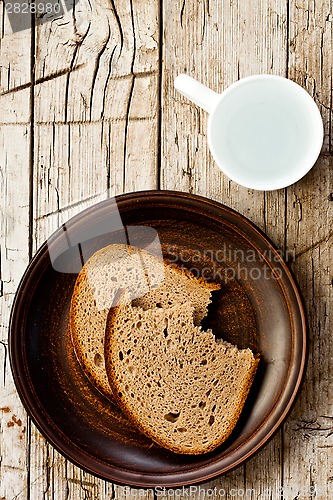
(258, 306)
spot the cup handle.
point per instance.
(196, 92)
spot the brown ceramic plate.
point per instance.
(258, 306)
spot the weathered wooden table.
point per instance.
(88, 110)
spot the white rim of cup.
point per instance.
(317, 140)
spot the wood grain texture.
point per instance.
(95, 100)
(15, 136)
(14, 229)
(308, 431)
(96, 116)
(217, 43)
(307, 437)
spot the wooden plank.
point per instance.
(141, 169)
(95, 135)
(218, 43)
(310, 56)
(14, 229)
(215, 50)
(308, 432)
(14, 242)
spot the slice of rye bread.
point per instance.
(150, 284)
(177, 383)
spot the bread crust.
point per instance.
(96, 381)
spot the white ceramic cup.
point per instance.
(265, 132)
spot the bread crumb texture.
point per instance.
(149, 283)
(178, 384)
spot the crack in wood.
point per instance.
(297, 205)
(69, 162)
(41, 80)
(129, 97)
(15, 124)
(203, 29)
(28, 463)
(108, 168)
(182, 13)
(117, 18)
(330, 142)
(113, 492)
(82, 482)
(70, 206)
(107, 82)
(96, 68)
(126, 130)
(5, 347)
(78, 44)
(67, 490)
(98, 120)
(3, 15)
(48, 468)
(90, 488)
(32, 136)
(137, 74)
(160, 97)
(315, 245)
(12, 467)
(312, 427)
